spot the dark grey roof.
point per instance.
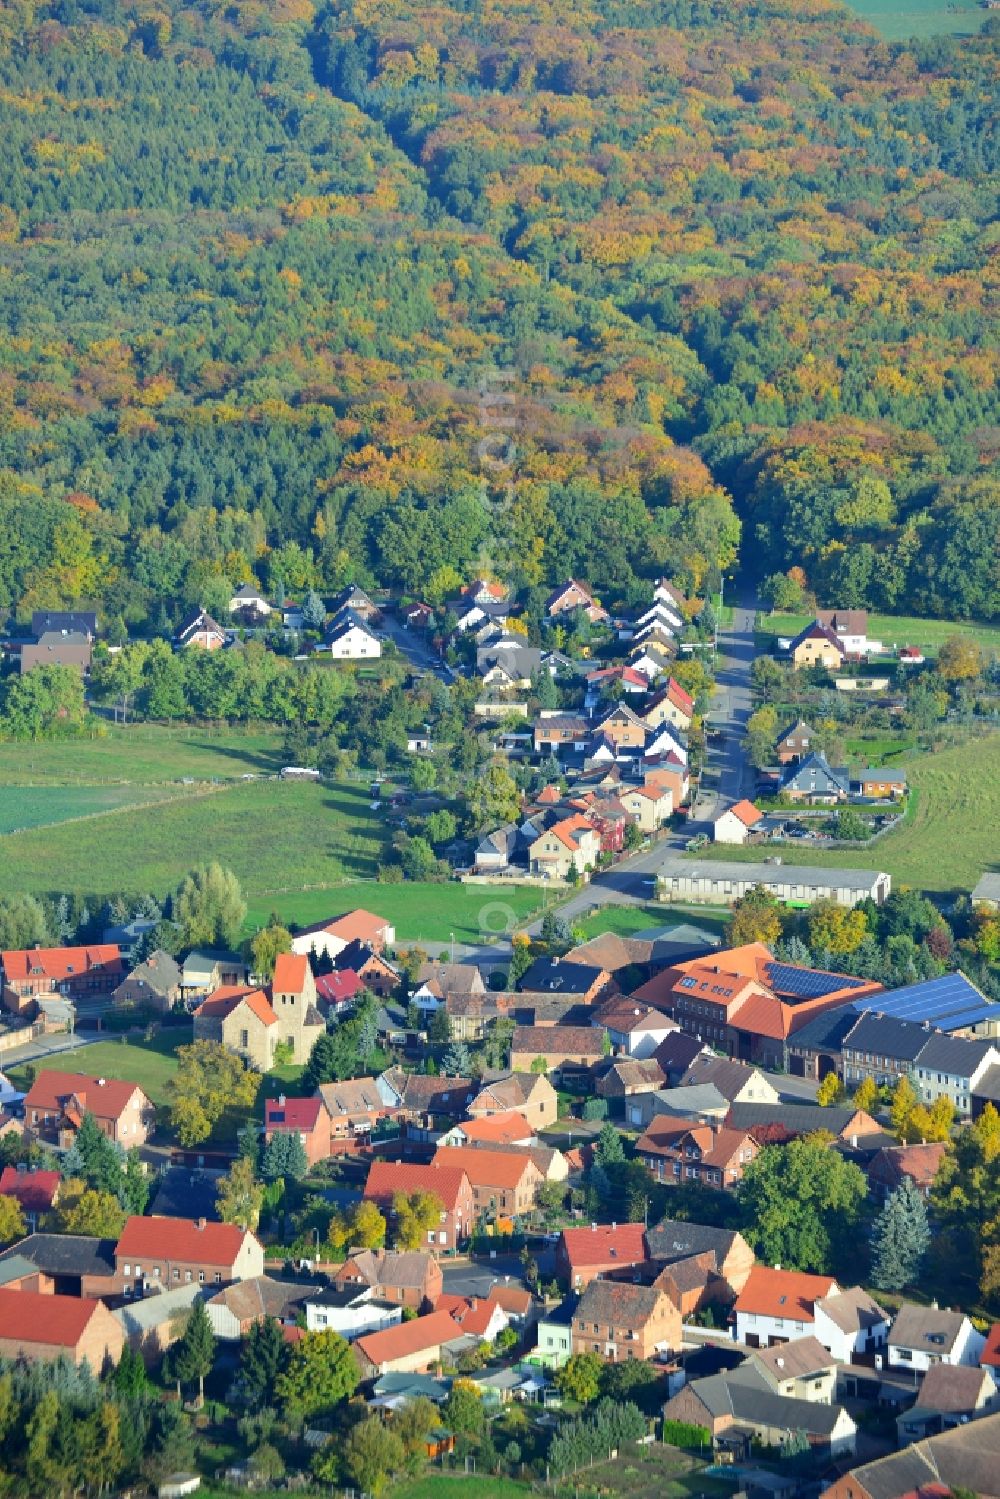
(672, 1240)
(883, 1036)
(552, 976)
(988, 1085)
(160, 972)
(744, 1394)
(799, 1118)
(563, 1314)
(952, 1054)
(903, 1472)
(44, 620)
(66, 1254)
(677, 1051)
(825, 1032)
(816, 774)
(618, 1303)
(185, 1192)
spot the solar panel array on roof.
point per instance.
(806, 983)
(950, 1002)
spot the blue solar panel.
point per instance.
(807, 983)
(949, 1002)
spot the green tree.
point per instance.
(268, 945)
(463, 1410)
(82, 1210)
(414, 1215)
(264, 1357)
(373, 1453)
(493, 797)
(130, 1378)
(240, 1195)
(23, 922)
(322, 1371)
(209, 907)
(44, 702)
(900, 1239)
(170, 1444)
(755, 917)
(193, 1355)
(579, 1378)
(12, 1224)
(802, 1205)
(284, 1157)
(610, 1147)
(209, 1080)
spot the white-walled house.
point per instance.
(633, 1028)
(735, 823)
(777, 1305)
(926, 1335)
(351, 1312)
(850, 1323)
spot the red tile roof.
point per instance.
(486, 1168)
(57, 963)
(290, 972)
(292, 1113)
(623, 1244)
(34, 1190)
(388, 1177)
(222, 1002)
(503, 1129)
(746, 812)
(337, 988)
(407, 1338)
(105, 1098)
(34, 1317)
(990, 1356)
(181, 1239)
(783, 1293)
(474, 1314)
(676, 694)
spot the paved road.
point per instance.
(629, 883)
(46, 1046)
(414, 647)
(730, 776)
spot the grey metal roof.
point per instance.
(956, 1055)
(825, 1032)
(800, 1118)
(812, 876)
(884, 1036)
(66, 1254)
(673, 1240)
(987, 887)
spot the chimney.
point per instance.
(593, 1228)
(281, 1100)
(201, 1223)
(102, 1082)
(614, 1226)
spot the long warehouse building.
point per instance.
(796, 884)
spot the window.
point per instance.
(201, 1276)
(187, 1276)
(177, 1273)
(218, 1277)
(127, 1270)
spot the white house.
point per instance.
(634, 1028)
(351, 640)
(352, 1312)
(777, 1305)
(926, 1335)
(332, 936)
(952, 1067)
(666, 741)
(850, 1323)
(249, 600)
(735, 823)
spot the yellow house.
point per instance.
(817, 645)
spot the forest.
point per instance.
(735, 264)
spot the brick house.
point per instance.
(527, 1092)
(166, 1252)
(451, 1185)
(35, 1191)
(57, 1102)
(29, 973)
(154, 984)
(504, 1182)
(582, 1254)
(795, 743)
(308, 1118)
(408, 1277)
(354, 1107)
(620, 1321)
(411, 1348)
(573, 843)
(39, 1327)
(581, 1045)
(678, 1153)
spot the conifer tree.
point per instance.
(900, 1239)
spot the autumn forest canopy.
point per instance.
(736, 261)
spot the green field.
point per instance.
(893, 629)
(275, 835)
(625, 921)
(151, 1064)
(950, 837)
(898, 20)
(41, 806)
(653, 1472)
(419, 912)
(142, 753)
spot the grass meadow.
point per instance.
(892, 629)
(899, 20)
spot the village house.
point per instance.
(736, 1081)
(35, 972)
(409, 1277)
(337, 992)
(557, 1046)
(450, 1185)
(554, 731)
(795, 743)
(209, 969)
(240, 1306)
(583, 1254)
(349, 638)
(372, 967)
(851, 629)
(736, 823)
(678, 1153)
(776, 1124)
(329, 938)
(966, 1458)
(154, 1253)
(495, 851)
(249, 604)
(478, 1317)
(816, 781)
(33, 1190)
(412, 1347)
(879, 785)
(154, 984)
(670, 705)
(571, 845)
(925, 1335)
(352, 1312)
(777, 1305)
(435, 981)
(817, 645)
(726, 1253)
(38, 1328)
(58, 648)
(742, 1404)
(801, 1369)
(308, 1118)
(255, 1023)
(582, 982)
(650, 805)
(527, 1092)
(626, 1078)
(950, 1395)
(354, 1108)
(851, 1325)
(493, 1132)
(894, 1164)
(634, 1030)
(201, 630)
(57, 1102)
(504, 1182)
(622, 727)
(700, 1104)
(573, 595)
(620, 1321)
(415, 1095)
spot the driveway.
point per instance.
(729, 775)
(412, 645)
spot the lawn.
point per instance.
(460, 1486)
(652, 1472)
(151, 1064)
(901, 629)
(879, 749)
(950, 837)
(627, 920)
(276, 836)
(145, 753)
(41, 806)
(420, 912)
(921, 18)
